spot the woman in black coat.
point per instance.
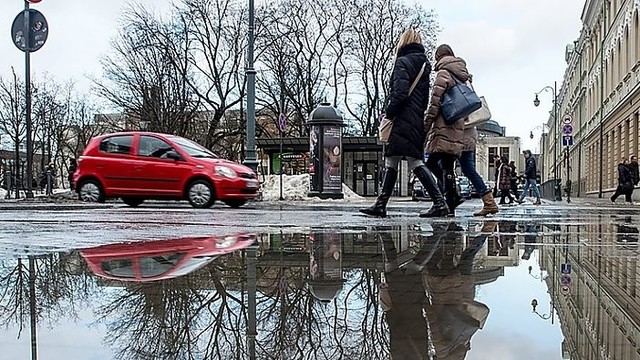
(625, 182)
(408, 133)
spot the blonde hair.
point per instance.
(408, 36)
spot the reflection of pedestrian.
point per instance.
(408, 99)
(530, 239)
(442, 270)
(625, 182)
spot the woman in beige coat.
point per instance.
(445, 142)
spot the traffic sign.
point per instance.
(564, 289)
(282, 122)
(565, 268)
(38, 30)
(567, 119)
(567, 140)
(567, 129)
(33, 1)
(565, 279)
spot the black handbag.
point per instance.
(458, 102)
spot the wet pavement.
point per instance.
(319, 281)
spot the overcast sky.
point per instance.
(513, 48)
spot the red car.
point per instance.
(136, 166)
(161, 259)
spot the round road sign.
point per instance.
(34, 1)
(567, 119)
(38, 30)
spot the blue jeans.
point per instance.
(468, 167)
(528, 183)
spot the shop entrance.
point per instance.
(365, 179)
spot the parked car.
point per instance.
(465, 187)
(136, 166)
(160, 259)
(418, 193)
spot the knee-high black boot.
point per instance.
(451, 194)
(380, 207)
(439, 207)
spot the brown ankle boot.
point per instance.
(490, 206)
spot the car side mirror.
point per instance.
(173, 155)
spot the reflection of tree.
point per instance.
(40, 288)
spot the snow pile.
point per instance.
(296, 187)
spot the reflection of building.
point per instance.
(600, 314)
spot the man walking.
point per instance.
(635, 177)
(530, 178)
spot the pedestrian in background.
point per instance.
(514, 178)
(625, 182)
(530, 178)
(468, 167)
(445, 142)
(72, 169)
(504, 181)
(635, 176)
(408, 134)
(496, 173)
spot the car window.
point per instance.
(159, 264)
(192, 148)
(122, 268)
(153, 147)
(117, 144)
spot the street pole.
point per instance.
(602, 43)
(250, 157)
(556, 184)
(27, 86)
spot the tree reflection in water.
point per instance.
(205, 314)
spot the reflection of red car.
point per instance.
(162, 259)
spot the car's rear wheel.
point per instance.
(132, 201)
(91, 191)
(200, 194)
(235, 203)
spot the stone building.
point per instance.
(600, 93)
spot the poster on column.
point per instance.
(314, 154)
(332, 149)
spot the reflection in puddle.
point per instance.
(445, 290)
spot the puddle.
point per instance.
(522, 289)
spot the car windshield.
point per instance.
(192, 148)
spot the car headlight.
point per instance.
(225, 242)
(226, 172)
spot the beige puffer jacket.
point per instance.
(443, 138)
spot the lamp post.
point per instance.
(536, 102)
(250, 155)
(534, 304)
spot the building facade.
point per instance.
(600, 98)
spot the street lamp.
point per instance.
(250, 157)
(536, 102)
(534, 304)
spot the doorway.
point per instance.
(365, 179)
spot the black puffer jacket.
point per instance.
(407, 135)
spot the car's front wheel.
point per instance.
(132, 201)
(235, 203)
(91, 191)
(200, 194)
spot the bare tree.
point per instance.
(368, 61)
(142, 78)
